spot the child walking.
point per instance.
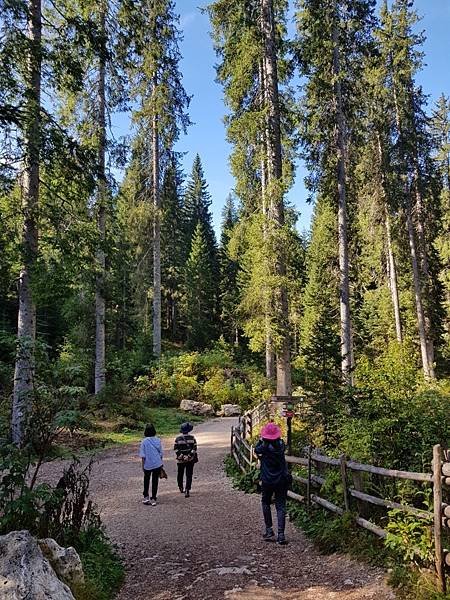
(275, 479)
(186, 452)
(152, 454)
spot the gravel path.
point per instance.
(209, 546)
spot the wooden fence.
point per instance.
(351, 475)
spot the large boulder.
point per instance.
(230, 410)
(25, 572)
(197, 408)
(65, 562)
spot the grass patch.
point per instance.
(102, 566)
(167, 421)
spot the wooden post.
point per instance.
(244, 426)
(437, 502)
(250, 425)
(308, 484)
(231, 442)
(358, 484)
(344, 482)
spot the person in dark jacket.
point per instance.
(186, 452)
(274, 479)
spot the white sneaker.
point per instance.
(153, 502)
(146, 500)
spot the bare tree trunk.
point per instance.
(156, 237)
(276, 210)
(423, 253)
(270, 355)
(392, 274)
(392, 268)
(421, 324)
(100, 304)
(347, 362)
(417, 293)
(26, 327)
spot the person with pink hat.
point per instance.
(275, 479)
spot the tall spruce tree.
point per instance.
(333, 38)
(229, 290)
(174, 249)
(200, 293)
(154, 56)
(400, 48)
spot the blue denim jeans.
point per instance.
(280, 493)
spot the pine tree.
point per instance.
(399, 46)
(229, 290)
(174, 249)
(154, 56)
(333, 39)
(200, 285)
(196, 207)
(440, 129)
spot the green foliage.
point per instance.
(247, 482)
(410, 538)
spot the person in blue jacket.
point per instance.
(275, 479)
(151, 454)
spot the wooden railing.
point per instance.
(241, 449)
(355, 497)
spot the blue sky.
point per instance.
(207, 135)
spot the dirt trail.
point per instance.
(209, 546)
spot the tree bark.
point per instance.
(26, 327)
(276, 204)
(156, 235)
(344, 285)
(100, 304)
(270, 355)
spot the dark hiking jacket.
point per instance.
(274, 470)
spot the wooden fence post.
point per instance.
(308, 484)
(231, 443)
(250, 425)
(437, 502)
(358, 484)
(344, 482)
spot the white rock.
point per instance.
(197, 408)
(25, 572)
(65, 561)
(230, 410)
(348, 582)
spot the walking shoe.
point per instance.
(186, 494)
(181, 490)
(267, 537)
(281, 539)
(146, 500)
(153, 501)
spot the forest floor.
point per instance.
(209, 546)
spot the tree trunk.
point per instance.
(417, 292)
(392, 275)
(421, 324)
(276, 205)
(392, 268)
(156, 237)
(344, 286)
(423, 253)
(100, 305)
(26, 329)
(270, 356)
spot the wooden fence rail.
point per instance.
(243, 452)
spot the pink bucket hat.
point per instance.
(271, 431)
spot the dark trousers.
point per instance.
(154, 474)
(280, 493)
(189, 468)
